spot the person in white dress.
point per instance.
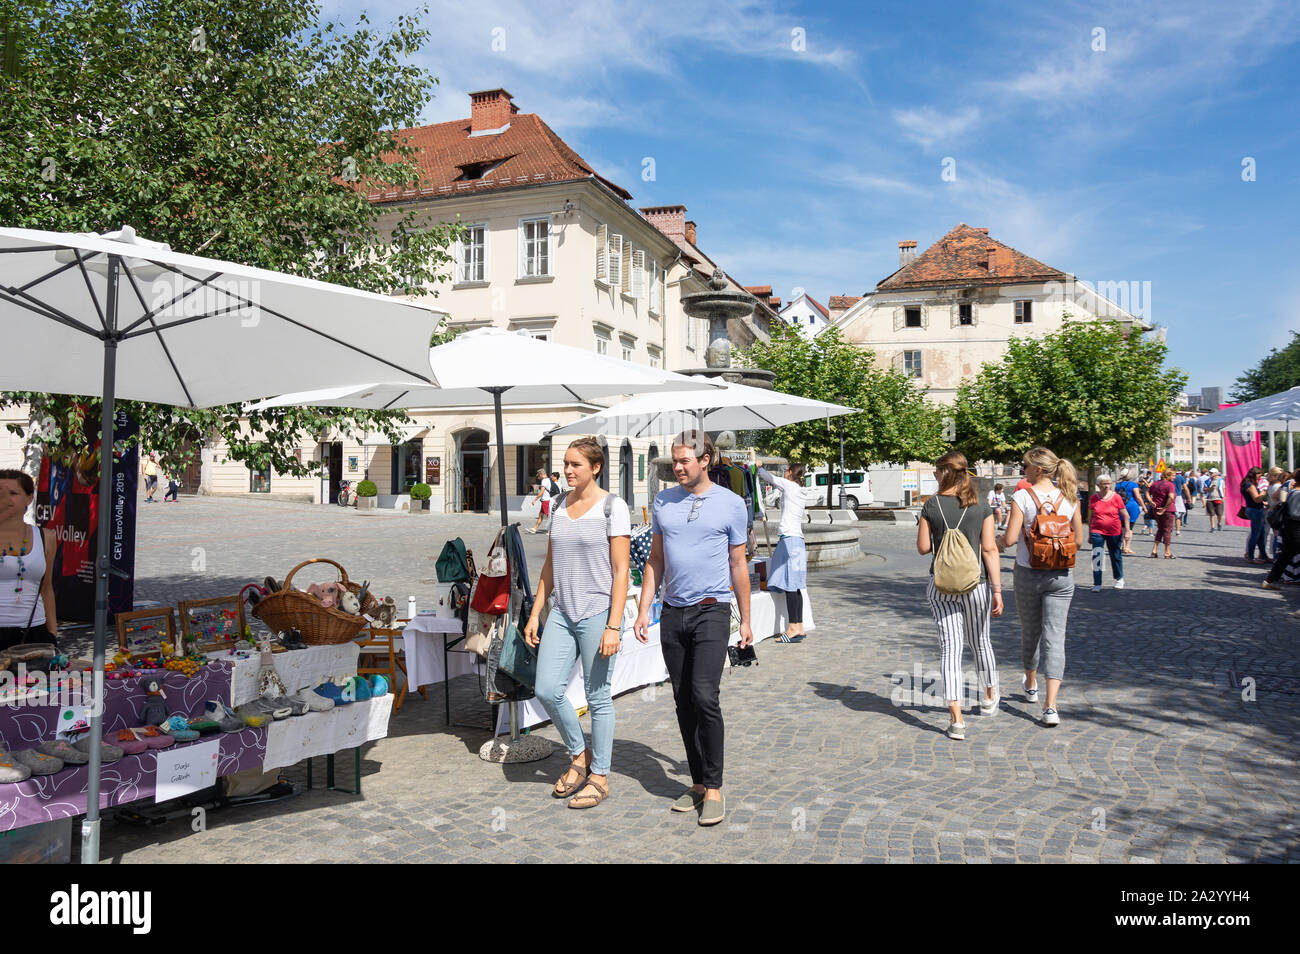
(787, 570)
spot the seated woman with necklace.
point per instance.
(26, 584)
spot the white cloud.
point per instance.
(928, 126)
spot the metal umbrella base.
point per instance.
(526, 748)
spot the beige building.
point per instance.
(1179, 449)
(945, 313)
(551, 249)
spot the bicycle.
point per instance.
(347, 495)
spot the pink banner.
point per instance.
(1240, 454)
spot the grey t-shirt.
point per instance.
(971, 526)
(580, 568)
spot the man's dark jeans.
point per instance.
(694, 642)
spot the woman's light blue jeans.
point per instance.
(564, 641)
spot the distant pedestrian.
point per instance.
(586, 569)
(1144, 498)
(1289, 501)
(547, 490)
(1107, 527)
(1044, 592)
(1163, 502)
(1213, 494)
(998, 504)
(1254, 500)
(1276, 476)
(698, 529)
(173, 489)
(787, 570)
(962, 617)
(1127, 489)
(150, 477)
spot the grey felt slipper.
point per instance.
(61, 750)
(315, 701)
(712, 811)
(12, 770)
(38, 763)
(107, 753)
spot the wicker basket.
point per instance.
(319, 625)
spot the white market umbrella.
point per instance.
(491, 365)
(733, 407)
(113, 315)
(1274, 412)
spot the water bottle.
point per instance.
(410, 607)
(656, 608)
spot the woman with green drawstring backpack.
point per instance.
(965, 587)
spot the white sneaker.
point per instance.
(989, 707)
(1119, 584)
(1031, 695)
(957, 731)
(1050, 717)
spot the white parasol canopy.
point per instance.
(1276, 412)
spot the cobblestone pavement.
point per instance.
(1177, 741)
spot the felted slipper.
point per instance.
(151, 736)
(12, 770)
(178, 729)
(107, 753)
(38, 763)
(129, 742)
(332, 692)
(61, 750)
(204, 726)
(270, 707)
(252, 717)
(224, 716)
(296, 706)
(378, 687)
(314, 700)
(360, 688)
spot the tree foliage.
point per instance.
(243, 131)
(897, 423)
(1277, 371)
(1088, 391)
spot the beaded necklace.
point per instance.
(22, 552)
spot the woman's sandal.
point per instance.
(591, 800)
(568, 789)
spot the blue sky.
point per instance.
(806, 139)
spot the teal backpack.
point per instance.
(452, 565)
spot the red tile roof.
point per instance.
(844, 302)
(759, 291)
(528, 152)
(820, 307)
(967, 256)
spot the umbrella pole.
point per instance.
(518, 749)
(90, 825)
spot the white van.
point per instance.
(856, 489)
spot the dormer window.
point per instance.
(470, 171)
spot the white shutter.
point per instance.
(925, 316)
(460, 260)
(899, 361)
(898, 319)
(615, 260)
(954, 315)
(627, 267)
(602, 239)
(638, 273)
(655, 299)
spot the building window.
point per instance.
(912, 364)
(614, 258)
(602, 343)
(259, 481)
(655, 359)
(528, 461)
(629, 349)
(911, 317)
(965, 314)
(1024, 312)
(473, 255)
(534, 247)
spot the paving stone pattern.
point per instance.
(1177, 741)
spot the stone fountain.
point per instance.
(719, 305)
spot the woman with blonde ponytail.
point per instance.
(1043, 596)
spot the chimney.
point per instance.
(690, 232)
(490, 109)
(982, 231)
(906, 253)
(669, 219)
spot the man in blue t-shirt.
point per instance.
(698, 532)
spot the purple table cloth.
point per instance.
(49, 797)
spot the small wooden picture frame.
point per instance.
(213, 623)
(142, 632)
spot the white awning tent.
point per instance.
(526, 435)
(409, 433)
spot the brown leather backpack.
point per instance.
(1051, 538)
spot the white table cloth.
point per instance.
(768, 616)
(423, 640)
(289, 741)
(298, 668)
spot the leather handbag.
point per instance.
(517, 658)
(478, 637)
(492, 588)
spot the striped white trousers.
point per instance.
(963, 618)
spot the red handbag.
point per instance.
(491, 594)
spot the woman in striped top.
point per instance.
(587, 571)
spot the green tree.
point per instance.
(898, 422)
(1088, 391)
(244, 130)
(1277, 371)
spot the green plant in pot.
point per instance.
(420, 494)
(367, 493)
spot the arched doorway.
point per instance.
(603, 478)
(625, 475)
(651, 472)
(472, 463)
